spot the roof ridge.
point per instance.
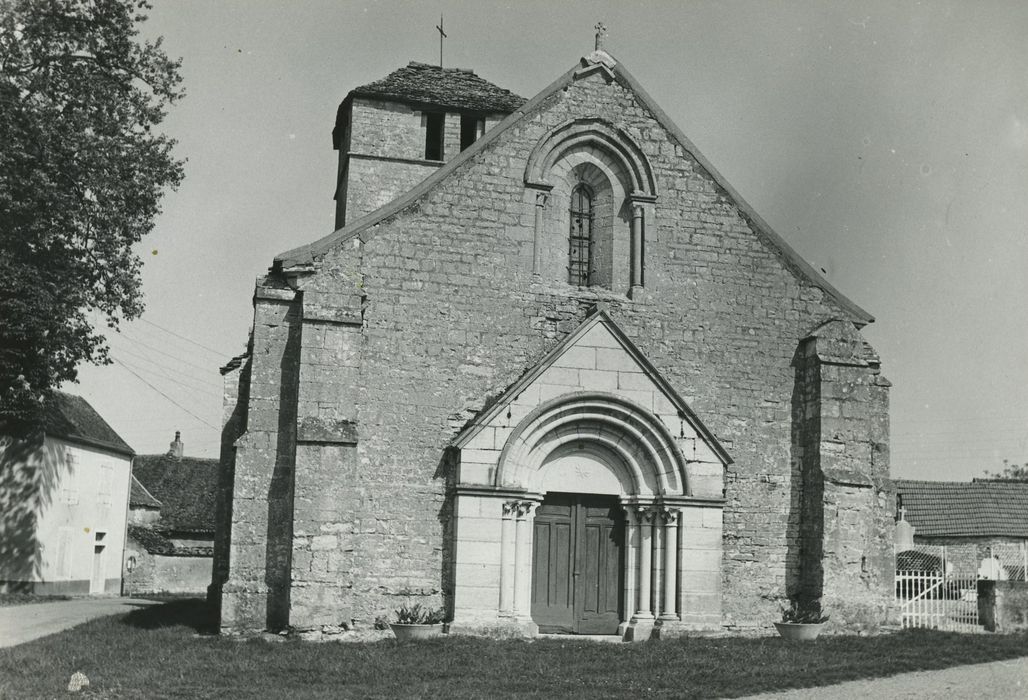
(422, 64)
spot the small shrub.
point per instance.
(381, 623)
(804, 613)
(417, 614)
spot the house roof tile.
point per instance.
(186, 489)
(139, 497)
(980, 508)
(71, 418)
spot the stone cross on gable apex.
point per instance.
(601, 35)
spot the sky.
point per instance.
(887, 142)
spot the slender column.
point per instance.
(537, 242)
(645, 516)
(670, 518)
(522, 554)
(657, 574)
(631, 558)
(637, 245)
(681, 567)
(507, 547)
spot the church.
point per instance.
(550, 373)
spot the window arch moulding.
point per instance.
(624, 163)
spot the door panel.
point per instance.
(577, 564)
(552, 559)
(600, 582)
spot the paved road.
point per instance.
(23, 623)
(994, 680)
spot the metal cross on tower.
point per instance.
(442, 35)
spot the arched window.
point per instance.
(580, 238)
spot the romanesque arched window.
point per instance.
(580, 238)
(600, 179)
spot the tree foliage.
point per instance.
(1010, 471)
(82, 173)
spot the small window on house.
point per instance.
(471, 129)
(434, 135)
(580, 239)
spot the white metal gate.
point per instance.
(937, 587)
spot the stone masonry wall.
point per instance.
(387, 130)
(846, 549)
(235, 402)
(374, 182)
(385, 154)
(452, 316)
(256, 595)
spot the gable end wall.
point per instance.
(452, 316)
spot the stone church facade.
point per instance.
(552, 373)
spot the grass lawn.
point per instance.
(156, 653)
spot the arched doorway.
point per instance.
(579, 510)
(578, 564)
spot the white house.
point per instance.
(63, 503)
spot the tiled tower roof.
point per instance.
(451, 88)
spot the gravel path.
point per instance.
(23, 623)
(996, 679)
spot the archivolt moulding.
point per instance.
(645, 452)
(612, 144)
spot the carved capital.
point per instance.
(646, 515)
(541, 198)
(518, 509)
(670, 516)
(525, 508)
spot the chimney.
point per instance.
(175, 449)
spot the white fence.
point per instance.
(937, 586)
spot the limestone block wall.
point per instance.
(387, 129)
(256, 595)
(452, 316)
(235, 403)
(848, 514)
(383, 154)
(158, 574)
(328, 513)
(479, 552)
(700, 568)
(374, 182)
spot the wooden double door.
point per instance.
(578, 564)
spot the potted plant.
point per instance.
(417, 622)
(801, 622)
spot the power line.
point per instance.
(168, 355)
(181, 381)
(205, 383)
(188, 340)
(164, 395)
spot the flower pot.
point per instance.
(403, 632)
(799, 631)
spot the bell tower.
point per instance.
(393, 133)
